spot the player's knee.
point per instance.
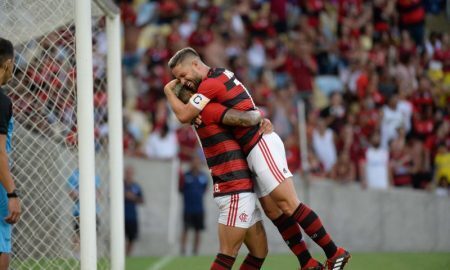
(4, 261)
(272, 212)
(229, 250)
(286, 207)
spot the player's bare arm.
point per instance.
(247, 119)
(232, 117)
(8, 183)
(241, 118)
(185, 113)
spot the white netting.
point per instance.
(44, 143)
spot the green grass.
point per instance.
(359, 261)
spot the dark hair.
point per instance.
(181, 55)
(184, 94)
(6, 50)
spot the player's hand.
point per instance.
(14, 210)
(265, 127)
(170, 86)
(130, 196)
(197, 121)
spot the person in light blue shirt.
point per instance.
(74, 188)
(9, 196)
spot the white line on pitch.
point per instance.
(159, 264)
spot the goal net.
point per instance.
(44, 159)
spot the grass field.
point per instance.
(359, 261)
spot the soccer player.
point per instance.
(9, 199)
(265, 154)
(288, 228)
(239, 217)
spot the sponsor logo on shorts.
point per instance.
(284, 170)
(243, 217)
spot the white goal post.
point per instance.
(67, 154)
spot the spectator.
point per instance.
(421, 172)
(315, 166)
(324, 145)
(334, 114)
(442, 175)
(376, 47)
(188, 142)
(293, 153)
(412, 18)
(344, 170)
(401, 160)
(162, 144)
(133, 197)
(392, 119)
(302, 67)
(193, 185)
(375, 166)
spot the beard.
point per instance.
(194, 82)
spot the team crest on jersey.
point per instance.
(216, 188)
(243, 217)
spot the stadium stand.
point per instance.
(362, 67)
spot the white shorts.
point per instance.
(238, 210)
(267, 161)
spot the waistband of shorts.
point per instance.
(220, 194)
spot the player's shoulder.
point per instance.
(210, 85)
(216, 72)
(4, 99)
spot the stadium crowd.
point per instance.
(371, 74)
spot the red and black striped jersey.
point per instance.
(223, 87)
(225, 159)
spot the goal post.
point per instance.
(116, 142)
(67, 148)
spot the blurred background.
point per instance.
(375, 78)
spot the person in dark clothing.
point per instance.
(193, 185)
(133, 197)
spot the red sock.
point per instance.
(313, 227)
(292, 235)
(222, 262)
(252, 263)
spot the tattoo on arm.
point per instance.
(241, 118)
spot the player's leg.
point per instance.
(4, 261)
(290, 232)
(256, 242)
(237, 214)
(268, 161)
(231, 239)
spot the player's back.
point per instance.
(224, 156)
(223, 87)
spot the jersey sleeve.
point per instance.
(5, 114)
(207, 91)
(213, 113)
